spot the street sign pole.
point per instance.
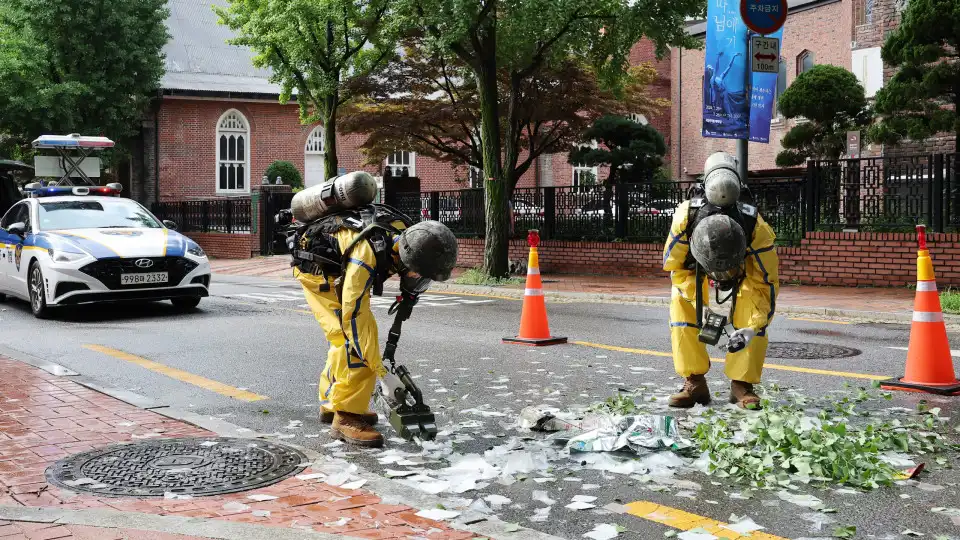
(761, 17)
(743, 150)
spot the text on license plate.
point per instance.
(147, 278)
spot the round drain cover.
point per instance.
(808, 351)
(183, 466)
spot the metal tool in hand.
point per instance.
(409, 415)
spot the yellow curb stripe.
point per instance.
(779, 367)
(817, 320)
(685, 521)
(180, 375)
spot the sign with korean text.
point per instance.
(731, 109)
(763, 16)
(853, 144)
(764, 54)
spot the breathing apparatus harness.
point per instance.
(745, 215)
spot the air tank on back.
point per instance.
(351, 190)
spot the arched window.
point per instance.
(398, 161)
(805, 62)
(313, 163)
(584, 175)
(233, 153)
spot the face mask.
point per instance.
(727, 279)
(414, 285)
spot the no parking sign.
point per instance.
(763, 16)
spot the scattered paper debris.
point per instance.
(177, 496)
(584, 498)
(261, 513)
(437, 514)
(580, 506)
(259, 497)
(743, 525)
(603, 531)
(209, 443)
(354, 485)
(311, 476)
(540, 514)
(338, 523)
(543, 496)
(696, 534)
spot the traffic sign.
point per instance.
(764, 54)
(763, 16)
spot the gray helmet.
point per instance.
(718, 244)
(721, 181)
(429, 248)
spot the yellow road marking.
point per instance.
(180, 375)
(779, 367)
(817, 320)
(685, 521)
(451, 293)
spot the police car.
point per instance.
(69, 245)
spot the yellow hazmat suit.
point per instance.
(755, 302)
(353, 360)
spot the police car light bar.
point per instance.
(36, 190)
(74, 140)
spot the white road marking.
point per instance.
(952, 353)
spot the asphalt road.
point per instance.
(255, 335)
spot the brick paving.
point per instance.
(44, 418)
(16, 530)
(884, 300)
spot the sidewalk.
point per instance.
(44, 418)
(796, 298)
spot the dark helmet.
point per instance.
(429, 248)
(718, 244)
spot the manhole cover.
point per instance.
(184, 466)
(808, 351)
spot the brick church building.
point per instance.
(217, 124)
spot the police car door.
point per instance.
(11, 246)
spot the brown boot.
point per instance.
(694, 391)
(326, 417)
(742, 394)
(351, 428)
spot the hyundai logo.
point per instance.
(143, 263)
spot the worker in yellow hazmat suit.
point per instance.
(715, 236)
(339, 296)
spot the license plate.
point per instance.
(148, 278)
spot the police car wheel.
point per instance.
(185, 302)
(38, 297)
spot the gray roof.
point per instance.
(700, 27)
(199, 59)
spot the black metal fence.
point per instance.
(884, 194)
(211, 215)
(639, 212)
(869, 194)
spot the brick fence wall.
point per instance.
(844, 259)
(227, 246)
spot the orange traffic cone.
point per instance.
(929, 364)
(534, 329)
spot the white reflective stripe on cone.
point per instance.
(536, 272)
(926, 286)
(533, 292)
(927, 316)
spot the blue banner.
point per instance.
(727, 114)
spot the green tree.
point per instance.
(923, 97)
(288, 173)
(313, 47)
(83, 66)
(633, 151)
(515, 40)
(831, 101)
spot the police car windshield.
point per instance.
(95, 214)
